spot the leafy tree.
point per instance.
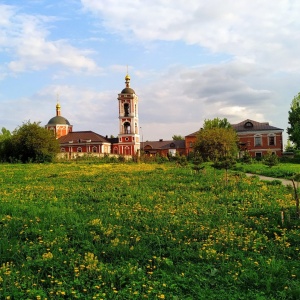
(177, 138)
(216, 123)
(247, 159)
(294, 121)
(289, 147)
(218, 142)
(270, 159)
(5, 144)
(4, 134)
(33, 143)
(214, 143)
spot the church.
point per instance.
(78, 143)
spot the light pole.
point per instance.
(142, 138)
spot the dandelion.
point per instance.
(47, 256)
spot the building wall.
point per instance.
(85, 148)
(269, 142)
(189, 144)
(247, 142)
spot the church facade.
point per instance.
(79, 143)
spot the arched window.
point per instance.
(248, 125)
(127, 127)
(79, 149)
(126, 109)
(94, 149)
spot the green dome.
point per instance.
(58, 120)
(128, 90)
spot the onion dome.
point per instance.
(58, 120)
(127, 89)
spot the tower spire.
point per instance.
(127, 79)
(57, 105)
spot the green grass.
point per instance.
(282, 170)
(144, 231)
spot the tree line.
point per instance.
(28, 143)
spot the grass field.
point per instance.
(144, 231)
(282, 170)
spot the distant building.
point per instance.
(259, 138)
(58, 124)
(255, 137)
(190, 142)
(163, 148)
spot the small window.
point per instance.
(94, 149)
(191, 144)
(62, 149)
(79, 149)
(258, 154)
(248, 125)
(257, 141)
(271, 140)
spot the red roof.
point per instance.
(81, 137)
(250, 125)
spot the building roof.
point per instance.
(250, 125)
(128, 90)
(161, 144)
(193, 134)
(82, 137)
(58, 120)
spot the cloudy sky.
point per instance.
(188, 61)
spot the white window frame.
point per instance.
(255, 139)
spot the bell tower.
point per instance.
(129, 138)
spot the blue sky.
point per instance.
(188, 61)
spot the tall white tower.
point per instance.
(129, 138)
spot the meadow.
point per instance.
(145, 231)
(282, 170)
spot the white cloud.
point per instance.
(266, 32)
(25, 39)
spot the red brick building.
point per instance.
(255, 137)
(163, 148)
(79, 143)
(259, 138)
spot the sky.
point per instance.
(188, 61)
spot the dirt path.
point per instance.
(284, 181)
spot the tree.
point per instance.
(294, 121)
(4, 134)
(33, 143)
(5, 144)
(270, 159)
(218, 142)
(289, 147)
(216, 123)
(177, 138)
